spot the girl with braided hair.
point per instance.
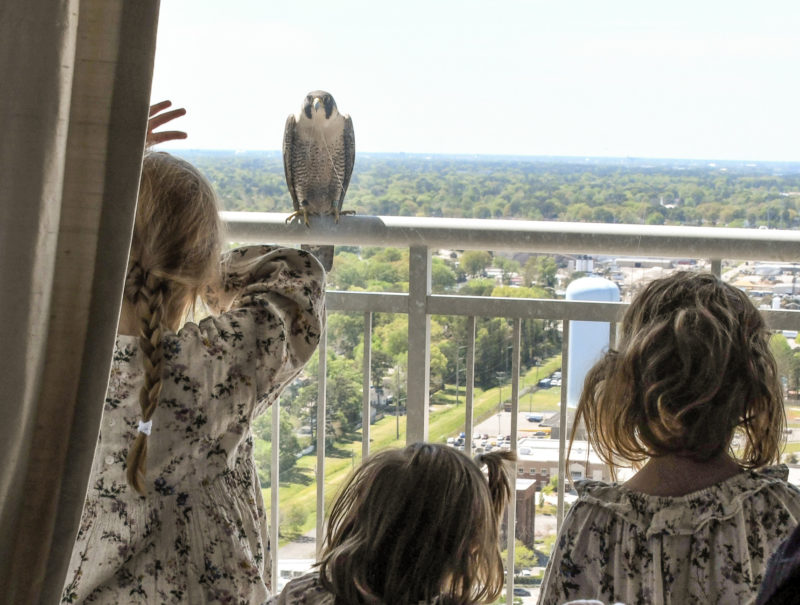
(174, 512)
(413, 525)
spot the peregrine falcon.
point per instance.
(318, 155)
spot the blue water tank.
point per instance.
(588, 340)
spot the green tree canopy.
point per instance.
(475, 262)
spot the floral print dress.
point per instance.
(710, 546)
(304, 590)
(200, 533)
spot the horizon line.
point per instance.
(577, 158)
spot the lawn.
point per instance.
(792, 447)
(446, 419)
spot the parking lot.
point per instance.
(500, 424)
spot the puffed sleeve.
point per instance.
(236, 363)
(570, 564)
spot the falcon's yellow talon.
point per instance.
(297, 214)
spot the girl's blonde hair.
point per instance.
(693, 366)
(174, 258)
(419, 524)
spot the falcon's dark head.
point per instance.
(318, 100)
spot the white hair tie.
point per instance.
(145, 427)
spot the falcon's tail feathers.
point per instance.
(324, 255)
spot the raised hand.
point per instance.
(155, 121)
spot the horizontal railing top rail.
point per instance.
(520, 236)
(512, 308)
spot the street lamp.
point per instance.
(397, 417)
(397, 399)
(500, 377)
(458, 357)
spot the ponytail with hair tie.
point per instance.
(499, 481)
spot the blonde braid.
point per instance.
(149, 301)
(175, 251)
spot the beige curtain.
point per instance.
(74, 92)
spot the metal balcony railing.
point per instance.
(424, 235)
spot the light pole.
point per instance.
(535, 384)
(397, 401)
(500, 377)
(458, 358)
(397, 418)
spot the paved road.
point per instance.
(304, 548)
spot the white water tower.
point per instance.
(588, 340)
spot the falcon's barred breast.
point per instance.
(318, 157)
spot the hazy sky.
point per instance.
(682, 79)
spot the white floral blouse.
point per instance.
(200, 534)
(305, 590)
(710, 546)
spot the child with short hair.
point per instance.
(698, 522)
(413, 525)
(174, 512)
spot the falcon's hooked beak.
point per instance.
(316, 103)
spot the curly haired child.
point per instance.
(173, 512)
(413, 525)
(699, 520)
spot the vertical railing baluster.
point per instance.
(716, 266)
(366, 411)
(274, 493)
(511, 527)
(321, 404)
(562, 424)
(419, 341)
(515, 371)
(470, 383)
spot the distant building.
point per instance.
(553, 422)
(644, 263)
(537, 459)
(526, 512)
(582, 263)
(291, 568)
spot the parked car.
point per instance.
(521, 592)
(544, 383)
(534, 417)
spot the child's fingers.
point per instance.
(154, 138)
(156, 121)
(160, 120)
(161, 105)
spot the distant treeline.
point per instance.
(725, 194)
